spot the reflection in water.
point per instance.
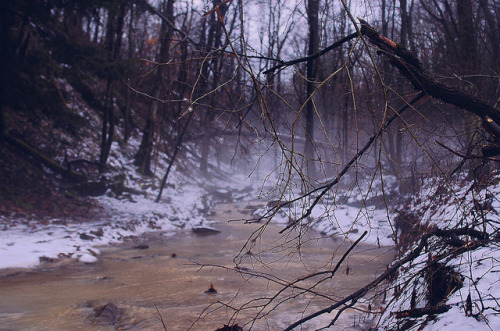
(166, 284)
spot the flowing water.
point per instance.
(164, 286)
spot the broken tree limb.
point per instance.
(410, 67)
(488, 151)
(492, 127)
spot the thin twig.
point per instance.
(161, 318)
(361, 292)
(314, 56)
(466, 157)
(325, 188)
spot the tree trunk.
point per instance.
(183, 76)
(6, 19)
(128, 102)
(108, 127)
(313, 48)
(494, 33)
(144, 154)
(114, 32)
(2, 97)
(214, 41)
(469, 58)
(205, 148)
(405, 28)
(174, 155)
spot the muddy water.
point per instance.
(164, 287)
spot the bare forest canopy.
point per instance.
(306, 89)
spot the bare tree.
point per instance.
(144, 154)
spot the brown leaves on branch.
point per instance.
(216, 8)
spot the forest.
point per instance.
(385, 107)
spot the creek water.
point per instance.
(164, 286)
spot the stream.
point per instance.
(157, 282)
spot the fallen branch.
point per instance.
(42, 158)
(467, 157)
(161, 318)
(465, 231)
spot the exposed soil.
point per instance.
(31, 191)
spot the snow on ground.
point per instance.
(26, 244)
(185, 199)
(351, 222)
(343, 214)
(478, 270)
(481, 269)
(345, 220)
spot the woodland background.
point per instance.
(191, 87)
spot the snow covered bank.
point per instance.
(456, 273)
(27, 243)
(342, 214)
(454, 280)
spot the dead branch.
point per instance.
(164, 18)
(466, 231)
(410, 67)
(482, 239)
(314, 56)
(422, 80)
(161, 318)
(468, 157)
(43, 159)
